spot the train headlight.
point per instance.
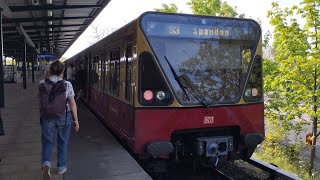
(254, 92)
(148, 95)
(248, 92)
(160, 95)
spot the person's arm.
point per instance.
(73, 107)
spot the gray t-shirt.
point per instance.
(69, 91)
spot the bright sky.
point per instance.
(119, 12)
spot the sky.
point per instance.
(119, 12)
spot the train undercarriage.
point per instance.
(204, 147)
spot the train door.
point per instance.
(128, 107)
(94, 82)
(114, 84)
(101, 84)
(106, 97)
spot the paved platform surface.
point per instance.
(93, 154)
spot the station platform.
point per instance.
(93, 154)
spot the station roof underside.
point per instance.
(49, 26)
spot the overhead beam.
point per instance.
(49, 7)
(23, 33)
(5, 9)
(37, 40)
(39, 33)
(38, 36)
(40, 40)
(42, 27)
(96, 13)
(22, 20)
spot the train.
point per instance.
(179, 87)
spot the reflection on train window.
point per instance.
(213, 69)
(95, 72)
(253, 91)
(128, 72)
(103, 71)
(107, 71)
(246, 57)
(153, 89)
(114, 71)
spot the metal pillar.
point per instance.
(1, 64)
(24, 67)
(1, 74)
(32, 63)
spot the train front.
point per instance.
(200, 87)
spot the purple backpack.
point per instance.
(53, 100)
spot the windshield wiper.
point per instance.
(177, 78)
(191, 90)
(182, 85)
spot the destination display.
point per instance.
(197, 31)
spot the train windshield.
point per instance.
(210, 56)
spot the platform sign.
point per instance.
(46, 56)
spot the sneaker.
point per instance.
(46, 172)
(62, 171)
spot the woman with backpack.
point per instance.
(57, 103)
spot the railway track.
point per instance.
(224, 175)
(252, 169)
(274, 171)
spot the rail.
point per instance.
(273, 170)
(223, 175)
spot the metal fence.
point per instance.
(9, 74)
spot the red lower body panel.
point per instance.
(159, 124)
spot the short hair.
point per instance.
(56, 68)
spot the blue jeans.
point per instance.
(49, 127)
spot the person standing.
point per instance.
(57, 103)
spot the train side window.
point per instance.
(114, 71)
(91, 70)
(95, 73)
(107, 72)
(103, 71)
(128, 72)
(153, 88)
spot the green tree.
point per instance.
(213, 8)
(170, 9)
(293, 89)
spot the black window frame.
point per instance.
(161, 80)
(128, 71)
(114, 80)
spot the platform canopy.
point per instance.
(48, 26)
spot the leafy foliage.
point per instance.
(165, 8)
(292, 78)
(213, 8)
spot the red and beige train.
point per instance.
(179, 86)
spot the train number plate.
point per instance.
(208, 120)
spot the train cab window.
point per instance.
(253, 91)
(153, 89)
(245, 57)
(114, 71)
(128, 72)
